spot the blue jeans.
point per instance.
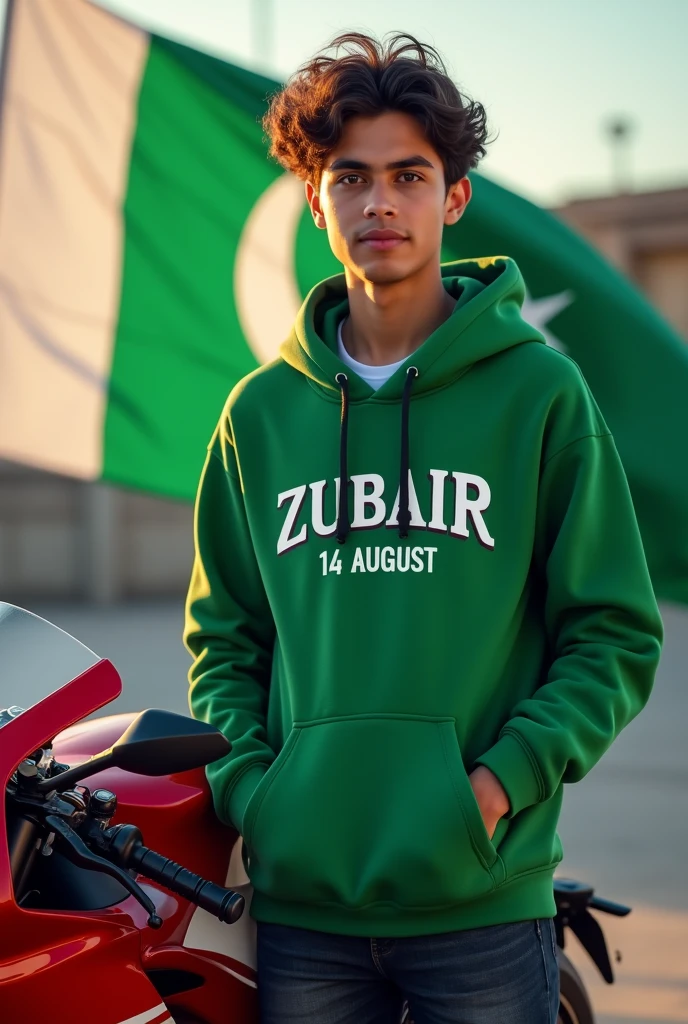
(499, 974)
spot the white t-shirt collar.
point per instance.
(375, 376)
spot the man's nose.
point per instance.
(380, 202)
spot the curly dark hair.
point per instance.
(305, 120)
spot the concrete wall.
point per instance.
(71, 540)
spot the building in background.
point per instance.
(69, 540)
(645, 235)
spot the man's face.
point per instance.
(383, 198)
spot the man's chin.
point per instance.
(381, 272)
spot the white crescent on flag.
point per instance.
(267, 295)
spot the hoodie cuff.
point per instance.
(240, 794)
(517, 770)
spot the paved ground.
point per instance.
(624, 827)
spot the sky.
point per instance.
(550, 73)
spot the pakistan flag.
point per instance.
(151, 255)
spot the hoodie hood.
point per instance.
(487, 319)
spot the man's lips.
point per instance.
(383, 239)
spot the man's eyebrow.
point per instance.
(409, 161)
(346, 163)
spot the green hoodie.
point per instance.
(362, 670)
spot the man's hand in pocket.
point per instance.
(491, 796)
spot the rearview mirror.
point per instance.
(161, 743)
(156, 743)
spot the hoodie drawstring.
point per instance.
(343, 524)
(404, 515)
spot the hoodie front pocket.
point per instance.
(370, 809)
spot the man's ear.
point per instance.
(313, 200)
(458, 197)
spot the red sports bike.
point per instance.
(97, 926)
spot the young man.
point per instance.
(420, 603)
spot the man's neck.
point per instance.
(387, 322)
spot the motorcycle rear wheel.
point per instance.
(574, 1004)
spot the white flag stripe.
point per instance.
(69, 114)
(148, 1015)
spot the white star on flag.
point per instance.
(538, 312)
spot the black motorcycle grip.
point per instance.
(224, 904)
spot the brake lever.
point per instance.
(76, 850)
(591, 937)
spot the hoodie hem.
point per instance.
(523, 897)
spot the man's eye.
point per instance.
(350, 179)
(409, 176)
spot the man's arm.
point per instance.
(229, 630)
(602, 622)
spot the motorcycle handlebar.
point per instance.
(617, 909)
(225, 904)
(125, 842)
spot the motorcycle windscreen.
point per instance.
(36, 658)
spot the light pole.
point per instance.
(619, 130)
(262, 37)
